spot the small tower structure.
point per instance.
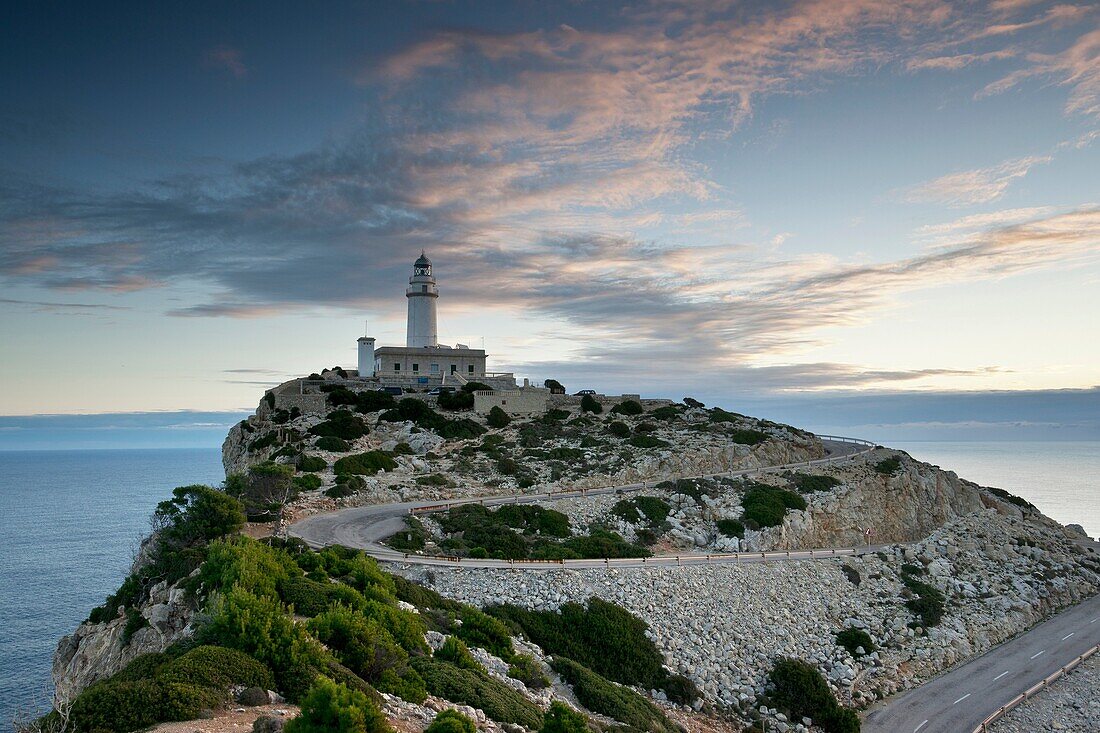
(422, 294)
(366, 356)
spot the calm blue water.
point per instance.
(69, 521)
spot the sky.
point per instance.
(816, 209)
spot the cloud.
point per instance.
(978, 186)
(69, 308)
(225, 58)
(1077, 67)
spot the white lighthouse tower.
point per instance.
(422, 294)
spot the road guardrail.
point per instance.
(1034, 690)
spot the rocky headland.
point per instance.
(958, 568)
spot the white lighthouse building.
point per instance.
(423, 361)
(422, 294)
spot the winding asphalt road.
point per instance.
(957, 702)
(365, 527)
(960, 700)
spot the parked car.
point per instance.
(395, 391)
(440, 390)
(586, 391)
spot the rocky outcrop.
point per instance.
(96, 651)
(902, 507)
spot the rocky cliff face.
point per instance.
(904, 507)
(97, 651)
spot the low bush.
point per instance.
(718, 415)
(129, 706)
(647, 441)
(555, 415)
(457, 653)
(134, 623)
(928, 603)
(665, 413)
(852, 639)
(534, 519)
(614, 701)
(747, 437)
(485, 632)
(312, 463)
(731, 528)
(808, 484)
(308, 597)
(451, 721)
(498, 418)
(469, 687)
(339, 491)
(591, 404)
(653, 509)
(412, 539)
(692, 402)
(217, 668)
(361, 644)
(365, 464)
(1010, 498)
(600, 543)
(600, 635)
(333, 444)
(800, 689)
(561, 718)
(307, 482)
(619, 429)
(340, 424)
(680, 689)
(525, 669)
(460, 400)
(628, 407)
(765, 505)
(888, 466)
(333, 708)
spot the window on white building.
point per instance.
(416, 367)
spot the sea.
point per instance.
(70, 521)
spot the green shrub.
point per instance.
(475, 688)
(600, 543)
(451, 721)
(602, 636)
(591, 404)
(312, 463)
(665, 413)
(929, 601)
(647, 441)
(680, 690)
(333, 708)
(628, 407)
(807, 484)
(128, 706)
(747, 437)
(1010, 498)
(731, 528)
(888, 466)
(339, 491)
(457, 653)
(852, 639)
(412, 539)
(485, 632)
(362, 644)
(461, 400)
(333, 444)
(142, 668)
(525, 669)
(619, 429)
(627, 510)
(365, 464)
(308, 597)
(217, 668)
(801, 690)
(718, 415)
(534, 519)
(605, 698)
(351, 481)
(561, 718)
(264, 441)
(498, 418)
(373, 400)
(262, 628)
(409, 685)
(134, 623)
(765, 506)
(307, 482)
(340, 424)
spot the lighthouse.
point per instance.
(422, 294)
